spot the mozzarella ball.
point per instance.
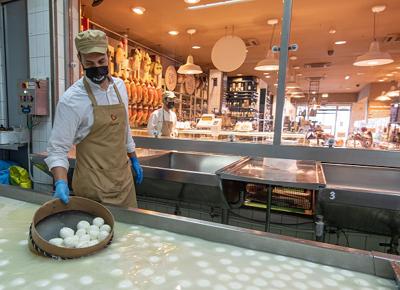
(98, 221)
(82, 245)
(71, 242)
(93, 228)
(105, 227)
(56, 242)
(80, 232)
(92, 243)
(103, 235)
(93, 234)
(83, 225)
(66, 232)
(84, 238)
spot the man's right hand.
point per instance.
(62, 191)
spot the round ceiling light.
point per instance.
(340, 42)
(196, 46)
(173, 32)
(139, 10)
(192, 1)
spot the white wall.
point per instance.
(215, 93)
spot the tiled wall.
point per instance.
(3, 99)
(40, 67)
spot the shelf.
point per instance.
(241, 108)
(243, 81)
(13, 147)
(241, 92)
(244, 118)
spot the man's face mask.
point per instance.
(97, 74)
(170, 105)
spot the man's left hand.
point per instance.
(137, 169)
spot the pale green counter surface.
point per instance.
(144, 258)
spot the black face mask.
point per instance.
(170, 105)
(97, 74)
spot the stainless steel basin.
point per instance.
(184, 176)
(362, 198)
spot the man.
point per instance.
(93, 114)
(163, 121)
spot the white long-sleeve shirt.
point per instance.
(74, 119)
(157, 117)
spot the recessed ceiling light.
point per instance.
(275, 85)
(397, 67)
(325, 95)
(347, 77)
(389, 75)
(332, 30)
(339, 42)
(314, 92)
(216, 4)
(192, 1)
(196, 47)
(266, 73)
(381, 80)
(267, 77)
(296, 67)
(293, 57)
(139, 10)
(173, 32)
(239, 75)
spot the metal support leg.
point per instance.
(269, 205)
(224, 216)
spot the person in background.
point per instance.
(93, 115)
(163, 121)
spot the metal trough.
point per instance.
(189, 177)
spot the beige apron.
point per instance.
(167, 127)
(103, 171)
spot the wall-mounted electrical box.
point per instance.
(33, 97)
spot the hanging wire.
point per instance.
(272, 36)
(374, 25)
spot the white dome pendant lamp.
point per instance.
(190, 68)
(270, 63)
(374, 56)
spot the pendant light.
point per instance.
(270, 63)
(394, 91)
(383, 97)
(189, 68)
(374, 56)
(292, 84)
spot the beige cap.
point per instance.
(90, 41)
(168, 95)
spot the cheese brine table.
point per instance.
(145, 258)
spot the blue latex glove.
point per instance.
(138, 170)
(62, 191)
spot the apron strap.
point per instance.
(90, 92)
(118, 94)
(92, 97)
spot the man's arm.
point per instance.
(59, 173)
(62, 137)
